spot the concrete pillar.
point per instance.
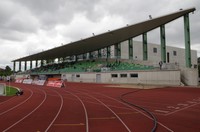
(118, 51)
(163, 43)
(145, 50)
(42, 63)
(31, 65)
(130, 48)
(90, 55)
(25, 65)
(36, 63)
(99, 53)
(187, 41)
(84, 56)
(14, 66)
(20, 66)
(108, 52)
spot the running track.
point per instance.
(82, 107)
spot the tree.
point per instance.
(8, 69)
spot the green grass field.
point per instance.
(10, 91)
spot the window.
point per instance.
(77, 75)
(134, 75)
(154, 50)
(114, 75)
(174, 53)
(123, 75)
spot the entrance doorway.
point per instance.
(167, 57)
(98, 78)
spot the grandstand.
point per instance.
(114, 57)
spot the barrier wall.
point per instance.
(189, 76)
(156, 77)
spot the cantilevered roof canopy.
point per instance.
(106, 39)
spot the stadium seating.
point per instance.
(88, 66)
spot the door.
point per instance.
(73, 77)
(167, 57)
(98, 78)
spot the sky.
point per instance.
(31, 26)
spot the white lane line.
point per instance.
(27, 114)
(61, 105)
(162, 111)
(110, 110)
(85, 110)
(181, 109)
(18, 104)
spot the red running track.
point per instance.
(84, 107)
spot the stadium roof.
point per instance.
(106, 39)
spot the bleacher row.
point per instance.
(88, 66)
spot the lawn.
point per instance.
(10, 91)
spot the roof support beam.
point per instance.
(163, 43)
(130, 48)
(187, 41)
(14, 65)
(145, 53)
(99, 53)
(108, 52)
(36, 63)
(25, 66)
(20, 66)
(31, 66)
(118, 50)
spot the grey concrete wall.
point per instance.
(190, 76)
(144, 77)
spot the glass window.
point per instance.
(114, 75)
(134, 75)
(154, 50)
(123, 75)
(174, 53)
(77, 75)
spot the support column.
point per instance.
(84, 56)
(42, 63)
(163, 43)
(145, 53)
(108, 52)
(99, 53)
(130, 48)
(36, 63)
(20, 66)
(14, 65)
(31, 65)
(118, 51)
(90, 55)
(187, 41)
(25, 65)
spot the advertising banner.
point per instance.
(58, 84)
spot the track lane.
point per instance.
(112, 116)
(164, 128)
(43, 117)
(45, 96)
(69, 119)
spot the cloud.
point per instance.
(30, 26)
(15, 22)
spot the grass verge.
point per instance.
(10, 91)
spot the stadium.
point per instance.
(107, 82)
(114, 56)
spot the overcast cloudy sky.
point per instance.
(30, 26)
